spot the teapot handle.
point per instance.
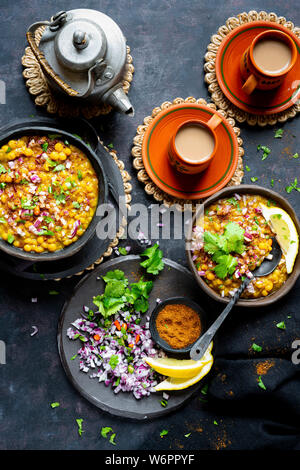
(43, 62)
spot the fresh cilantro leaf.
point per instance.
(281, 325)
(55, 404)
(76, 205)
(10, 238)
(48, 219)
(154, 263)
(54, 136)
(122, 250)
(226, 265)
(253, 179)
(256, 347)
(79, 175)
(2, 169)
(45, 146)
(79, 422)
(112, 439)
(234, 235)
(59, 168)
(114, 361)
(292, 186)
(261, 384)
(51, 163)
(105, 431)
(278, 134)
(266, 151)
(163, 433)
(214, 242)
(296, 155)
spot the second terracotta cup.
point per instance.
(185, 165)
(254, 76)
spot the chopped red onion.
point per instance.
(75, 228)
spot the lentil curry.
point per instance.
(237, 222)
(48, 193)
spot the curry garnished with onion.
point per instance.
(48, 193)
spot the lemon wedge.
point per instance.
(172, 383)
(285, 231)
(179, 368)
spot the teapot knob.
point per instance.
(80, 39)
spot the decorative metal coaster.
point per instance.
(150, 187)
(38, 87)
(217, 95)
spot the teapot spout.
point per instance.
(118, 99)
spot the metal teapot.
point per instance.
(83, 54)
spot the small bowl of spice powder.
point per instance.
(176, 323)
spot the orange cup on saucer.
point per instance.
(267, 61)
(193, 145)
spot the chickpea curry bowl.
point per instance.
(231, 236)
(51, 184)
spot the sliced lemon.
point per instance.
(285, 231)
(172, 383)
(182, 368)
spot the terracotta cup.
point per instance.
(191, 167)
(254, 76)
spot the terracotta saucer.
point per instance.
(229, 77)
(155, 154)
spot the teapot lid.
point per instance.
(79, 44)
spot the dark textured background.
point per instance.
(168, 40)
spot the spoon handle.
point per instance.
(199, 348)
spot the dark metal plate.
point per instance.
(173, 280)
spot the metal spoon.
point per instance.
(266, 267)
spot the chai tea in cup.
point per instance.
(194, 142)
(193, 145)
(266, 62)
(273, 56)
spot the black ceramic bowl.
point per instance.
(102, 193)
(153, 330)
(227, 193)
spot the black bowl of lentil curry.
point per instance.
(51, 184)
(239, 204)
(176, 324)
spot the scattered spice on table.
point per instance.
(263, 367)
(178, 325)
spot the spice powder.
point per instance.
(178, 325)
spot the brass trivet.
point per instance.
(150, 186)
(38, 87)
(210, 72)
